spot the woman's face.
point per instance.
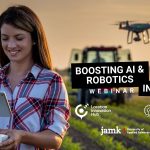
(16, 43)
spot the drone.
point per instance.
(135, 29)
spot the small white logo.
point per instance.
(116, 130)
(81, 111)
(147, 110)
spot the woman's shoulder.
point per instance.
(42, 73)
(51, 74)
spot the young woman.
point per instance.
(36, 94)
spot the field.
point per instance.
(85, 134)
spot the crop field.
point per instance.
(85, 134)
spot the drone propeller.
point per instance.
(126, 21)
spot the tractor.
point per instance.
(100, 54)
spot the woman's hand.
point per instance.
(14, 139)
(44, 139)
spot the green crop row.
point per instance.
(107, 142)
(130, 113)
(132, 109)
(142, 139)
(68, 144)
(124, 121)
(113, 121)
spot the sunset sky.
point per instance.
(80, 23)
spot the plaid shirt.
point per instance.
(38, 102)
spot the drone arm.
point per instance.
(145, 37)
(130, 37)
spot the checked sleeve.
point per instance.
(56, 107)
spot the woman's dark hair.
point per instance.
(24, 18)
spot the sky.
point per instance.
(80, 23)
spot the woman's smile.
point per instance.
(14, 52)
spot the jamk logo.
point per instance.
(81, 111)
(147, 110)
(116, 130)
